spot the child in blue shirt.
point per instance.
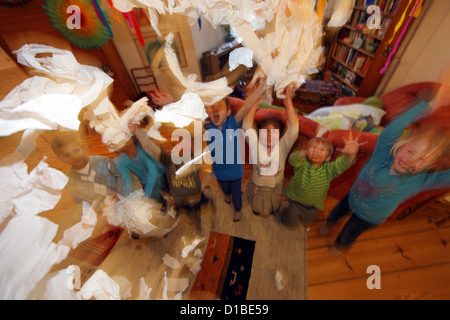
(150, 173)
(227, 167)
(396, 172)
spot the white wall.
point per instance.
(426, 54)
(205, 39)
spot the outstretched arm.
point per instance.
(351, 147)
(161, 98)
(252, 99)
(291, 115)
(249, 117)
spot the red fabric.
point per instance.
(398, 101)
(348, 100)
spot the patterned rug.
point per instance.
(225, 270)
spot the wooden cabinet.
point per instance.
(215, 60)
(359, 53)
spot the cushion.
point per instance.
(374, 102)
(343, 117)
(399, 100)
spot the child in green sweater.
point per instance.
(312, 176)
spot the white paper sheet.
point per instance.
(171, 262)
(45, 112)
(138, 214)
(28, 253)
(190, 247)
(24, 193)
(144, 290)
(117, 134)
(240, 56)
(209, 92)
(100, 286)
(82, 230)
(288, 54)
(181, 113)
(341, 12)
(278, 279)
(54, 286)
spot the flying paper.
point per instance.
(288, 53)
(240, 56)
(181, 113)
(83, 229)
(138, 214)
(28, 253)
(24, 193)
(117, 134)
(209, 92)
(101, 287)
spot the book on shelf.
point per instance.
(350, 77)
(359, 62)
(386, 6)
(366, 66)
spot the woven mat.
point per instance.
(225, 270)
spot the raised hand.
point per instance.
(351, 146)
(161, 98)
(443, 95)
(289, 93)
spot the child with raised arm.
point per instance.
(266, 186)
(150, 172)
(90, 178)
(398, 170)
(227, 164)
(185, 189)
(313, 173)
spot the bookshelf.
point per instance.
(358, 53)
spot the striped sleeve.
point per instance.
(337, 167)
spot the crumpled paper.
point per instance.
(287, 54)
(190, 247)
(209, 92)
(54, 286)
(46, 112)
(138, 214)
(144, 290)
(28, 253)
(116, 134)
(24, 193)
(55, 100)
(341, 12)
(83, 229)
(52, 101)
(240, 56)
(278, 279)
(101, 286)
(181, 113)
(86, 82)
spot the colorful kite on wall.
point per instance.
(78, 21)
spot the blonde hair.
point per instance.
(322, 141)
(438, 146)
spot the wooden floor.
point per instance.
(412, 254)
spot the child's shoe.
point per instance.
(237, 215)
(334, 252)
